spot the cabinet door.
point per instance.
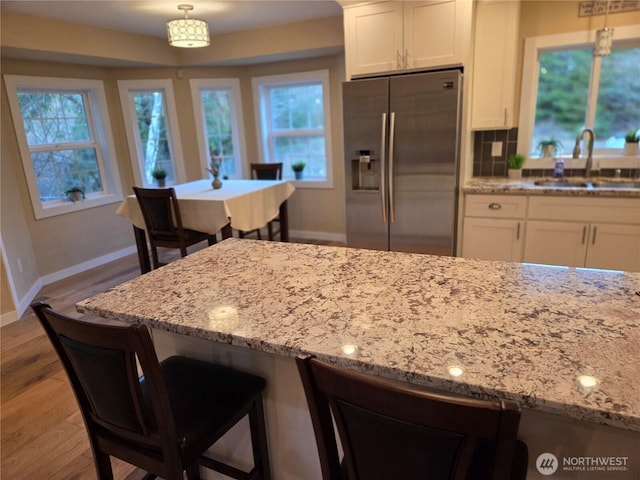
(556, 243)
(614, 247)
(434, 32)
(490, 239)
(373, 38)
(494, 64)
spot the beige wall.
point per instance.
(6, 300)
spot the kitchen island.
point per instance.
(564, 343)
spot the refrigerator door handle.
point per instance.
(383, 190)
(392, 208)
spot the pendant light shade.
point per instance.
(188, 32)
(604, 38)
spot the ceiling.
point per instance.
(150, 17)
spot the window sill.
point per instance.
(603, 161)
(62, 207)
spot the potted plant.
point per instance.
(297, 168)
(548, 147)
(631, 142)
(159, 174)
(75, 194)
(515, 163)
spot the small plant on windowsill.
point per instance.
(631, 140)
(515, 163)
(549, 146)
(297, 168)
(160, 175)
(74, 194)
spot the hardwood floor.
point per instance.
(42, 432)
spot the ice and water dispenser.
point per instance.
(365, 171)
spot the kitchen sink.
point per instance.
(568, 183)
(561, 183)
(616, 184)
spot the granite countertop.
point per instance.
(606, 187)
(516, 331)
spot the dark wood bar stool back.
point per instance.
(265, 171)
(163, 222)
(395, 431)
(163, 420)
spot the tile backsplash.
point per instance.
(485, 165)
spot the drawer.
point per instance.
(495, 206)
(612, 210)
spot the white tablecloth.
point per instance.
(246, 204)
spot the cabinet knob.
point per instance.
(495, 206)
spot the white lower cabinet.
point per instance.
(494, 227)
(556, 243)
(584, 232)
(554, 230)
(488, 239)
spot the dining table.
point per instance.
(243, 205)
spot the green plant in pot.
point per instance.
(297, 168)
(631, 140)
(160, 175)
(515, 163)
(75, 194)
(549, 146)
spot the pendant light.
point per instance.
(188, 32)
(604, 37)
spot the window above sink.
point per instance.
(565, 88)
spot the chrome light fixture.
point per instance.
(604, 37)
(188, 32)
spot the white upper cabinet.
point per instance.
(494, 64)
(387, 37)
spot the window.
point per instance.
(151, 121)
(65, 142)
(219, 124)
(293, 117)
(565, 88)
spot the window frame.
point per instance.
(608, 158)
(263, 84)
(97, 113)
(125, 89)
(198, 85)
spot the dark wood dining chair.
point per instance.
(163, 222)
(265, 171)
(389, 430)
(163, 420)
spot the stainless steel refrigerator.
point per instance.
(401, 139)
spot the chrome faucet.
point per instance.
(590, 142)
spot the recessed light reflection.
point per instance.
(587, 381)
(349, 349)
(223, 317)
(455, 371)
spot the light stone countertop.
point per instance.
(526, 186)
(518, 331)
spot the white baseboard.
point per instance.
(24, 302)
(89, 264)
